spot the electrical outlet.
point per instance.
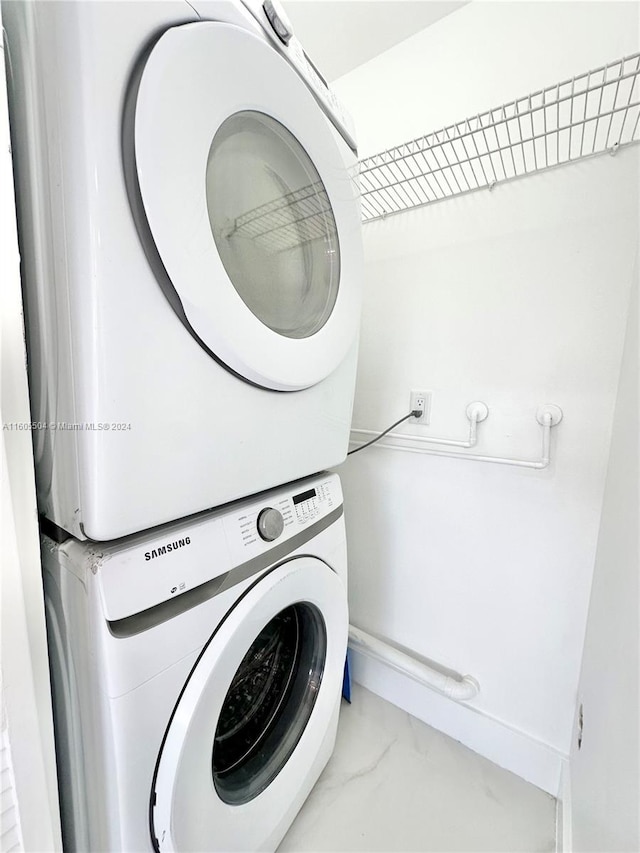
(421, 400)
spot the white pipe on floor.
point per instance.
(460, 689)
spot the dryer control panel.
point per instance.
(276, 24)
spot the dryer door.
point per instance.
(254, 713)
(251, 200)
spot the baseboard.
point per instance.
(559, 825)
(565, 831)
(532, 760)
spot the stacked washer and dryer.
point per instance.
(190, 237)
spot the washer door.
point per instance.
(253, 714)
(251, 201)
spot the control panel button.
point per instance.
(278, 20)
(270, 524)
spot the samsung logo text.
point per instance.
(167, 549)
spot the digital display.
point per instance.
(304, 496)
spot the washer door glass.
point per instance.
(273, 225)
(269, 703)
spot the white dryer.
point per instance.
(197, 673)
(190, 234)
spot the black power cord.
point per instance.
(416, 413)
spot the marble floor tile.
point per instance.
(395, 784)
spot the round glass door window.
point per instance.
(269, 703)
(272, 224)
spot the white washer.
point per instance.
(197, 673)
(191, 244)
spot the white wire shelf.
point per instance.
(592, 113)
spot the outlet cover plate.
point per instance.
(421, 400)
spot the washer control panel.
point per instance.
(281, 514)
(309, 504)
(186, 554)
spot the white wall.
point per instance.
(25, 703)
(515, 297)
(481, 56)
(605, 771)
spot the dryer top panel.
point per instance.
(141, 571)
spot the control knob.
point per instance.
(278, 20)
(270, 524)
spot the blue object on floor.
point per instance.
(346, 680)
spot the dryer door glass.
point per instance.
(269, 703)
(272, 224)
(248, 204)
